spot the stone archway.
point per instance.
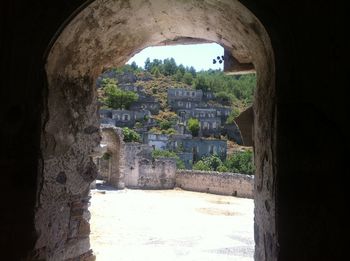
(110, 162)
(107, 33)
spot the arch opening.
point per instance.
(105, 34)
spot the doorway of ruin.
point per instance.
(106, 33)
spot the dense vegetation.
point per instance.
(115, 98)
(156, 77)
(131, 135)
(239, 162)
(234, 91)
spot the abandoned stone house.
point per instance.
(222, 112)
(180, 98)
(296, 48)
(208, 95)
(197, 146)
(175, 94)
(157, 141)
(147, 103)
(123, 118)
(184, 144)
(131, 88)
(210, 123)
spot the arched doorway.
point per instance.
(107, 33)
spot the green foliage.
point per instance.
(210, 163)
(138, 125)
(233, 114)
(222, 168)
(241, 162)
(155, 71)
(201, 165)
(134, 66)
(193, 126)
(225, 98)
(227, 89)
(165, 124)
(116, 98)
(201, 83)
(168, 154)
(187, 78)
(169, 67)
(131, 135)
(169, 131)
(108, 83)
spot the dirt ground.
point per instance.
(145, 225)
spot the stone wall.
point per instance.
(139, 170)
(217, 183)
(157, 174)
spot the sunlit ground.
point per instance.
(140, 225)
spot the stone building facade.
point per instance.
(124, 118)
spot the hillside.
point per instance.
(235, 92)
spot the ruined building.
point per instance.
(52, 53)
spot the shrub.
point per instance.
(168, 154)
(241, 162)
(169, 131)
(131, 135)
(210, 163)
(201, 165)
(193, 126)
(165, 124)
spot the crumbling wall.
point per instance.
(157, 174)
(229, 184)
(140, 170)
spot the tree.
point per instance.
(193, 126)
(241, 162)
(201, 83)
(188, 78)
(134, 66)
(169, 67)
(116, 98)
(192, 70)
(178, 75)
(148, 65)
(155, 71)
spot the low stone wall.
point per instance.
(229, 184)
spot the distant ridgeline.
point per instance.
(174, 108)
